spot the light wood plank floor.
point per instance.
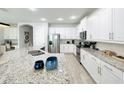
(78, 73)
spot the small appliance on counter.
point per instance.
(86, 44)
(73, 41)
(68, 42)
(93, 45)
(39, 65)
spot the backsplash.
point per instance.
(118, 48)
(64, 41)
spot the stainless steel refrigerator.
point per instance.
(54, 43)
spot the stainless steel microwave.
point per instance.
(83, 35)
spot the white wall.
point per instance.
(118, 48)
(1, 35)
(40, 32)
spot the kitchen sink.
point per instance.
(35, 52)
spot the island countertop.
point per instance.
(17, 67)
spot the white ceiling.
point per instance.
(15, 15)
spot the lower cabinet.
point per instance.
(68, 48)
(110, 75)
(94, 68)
(91, 64)
(101, 72)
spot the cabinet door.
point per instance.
(91, 32)
(89, 28)
(84, 59)
(62, 48)
(84, 22)
(94, 68)
(104, 23)
(74, 49)
(94, 24)
(99, 24)
(109, 78)
(118, 24)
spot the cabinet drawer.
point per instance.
(113, 70)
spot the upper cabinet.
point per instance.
(65, 32)
(118, 24)
(99, 24)
(83, 24)
(106, 24)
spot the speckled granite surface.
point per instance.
(17, 67)
(119, 65)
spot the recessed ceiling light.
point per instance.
(33, 9)
(60, 19)
(43, 19)
(73, 17)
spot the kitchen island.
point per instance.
(17, 67)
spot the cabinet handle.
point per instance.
(112, 35)
(108, 68)
(98, 70)
(83, 57)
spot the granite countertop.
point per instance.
(117, 64)
(17, 67)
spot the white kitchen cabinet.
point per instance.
(84, 23)
(83, 58)
(99, 70)
(68, 48)
(89, 28)
(62, 48)
(94, 68)
(104, 24)
(118, 24)
(91, 64)
(99, 25)
(92, 26)
(65, 32)
(110, 75)
(11, 33)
